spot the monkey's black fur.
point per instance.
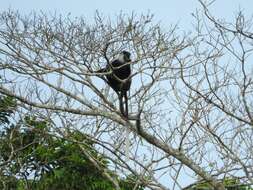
(118, 77)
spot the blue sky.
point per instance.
(166, 11)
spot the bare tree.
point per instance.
(190, 104)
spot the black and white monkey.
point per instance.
(118, 76)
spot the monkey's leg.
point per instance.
(126, 104)
(121, 105)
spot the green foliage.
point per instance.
(7, 106)
(34, 158)
(129, 183)
(229, 183)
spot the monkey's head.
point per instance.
(124, 56)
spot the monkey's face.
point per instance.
(126, 56)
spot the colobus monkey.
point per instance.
(119, 78)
